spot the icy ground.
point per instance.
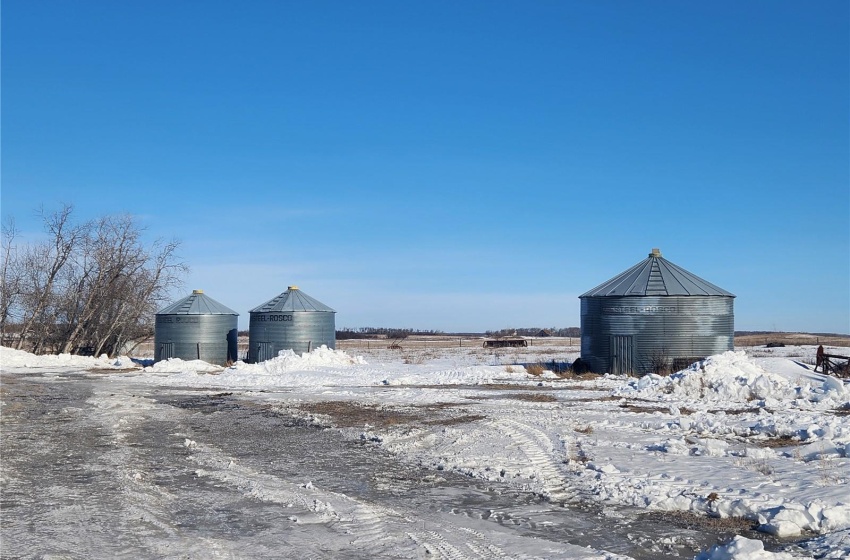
(750, 442)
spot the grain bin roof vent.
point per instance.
(292, 299)
(656, 276)
(197, 303)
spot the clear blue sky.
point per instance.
(448, 165)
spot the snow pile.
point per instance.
(288, 360)
(791, 519)
(11, 358)
(832, 546)
(732, 378)
(741, 548)
(172, 365)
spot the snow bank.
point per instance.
(732, 378)
(11, 358)
(287, 361)
(323, 367)
(177, 365)
(741, 548)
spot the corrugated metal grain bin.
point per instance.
(196, 328)
(654, 317)
(291, 321)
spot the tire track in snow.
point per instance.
(145, 502)
(372, 527)
(538, 448)
(482, 548)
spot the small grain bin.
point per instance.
(291, 321)
(654, 317)
(196, 328)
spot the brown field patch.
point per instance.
(346, 414)
(791, 339)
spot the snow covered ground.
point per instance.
(753, 434)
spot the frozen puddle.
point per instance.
(99, 469)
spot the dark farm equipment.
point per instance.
(839, 366)
(396, 343)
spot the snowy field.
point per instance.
(749, 447)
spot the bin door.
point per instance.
(265, 351)
(622, 352)
(166, 350)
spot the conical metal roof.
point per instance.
(656, 276)
(197, 303)
(292, 299)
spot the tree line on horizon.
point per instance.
(384, 332)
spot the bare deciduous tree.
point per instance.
(10, 276)
(42, 265)
(90, 288)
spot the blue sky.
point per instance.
(448, 165)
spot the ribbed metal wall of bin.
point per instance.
(651, 314)
(196, 328)
(291, 321)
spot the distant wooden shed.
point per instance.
(507, 342)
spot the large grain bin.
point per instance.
(291, 321)
(196, 328)
(655, 316)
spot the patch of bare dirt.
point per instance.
(112, 370)
(346, 414)
(636, 406)
(454, 421)
(530, 397)
(689, 520)
(780, 441)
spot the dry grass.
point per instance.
(829, 472)
(755, 464)
(570, 375)
(579, 455)
(535, 369)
